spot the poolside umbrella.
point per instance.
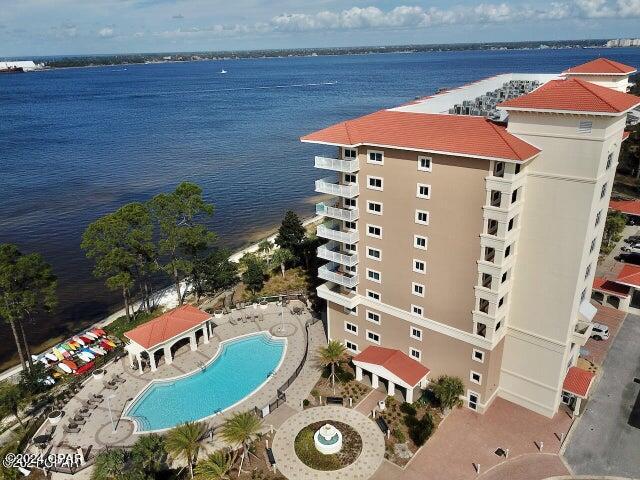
(73, 344)
(64, 367)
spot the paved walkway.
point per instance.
(609, 264)
(532, 466)
(365, 465)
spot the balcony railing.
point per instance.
(337, 294)
(332, 231)
(346, 166)
(331, 251)
(332, 211)
(330, 273)
(330, 186)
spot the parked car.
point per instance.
(631, 248)
(600, 332)
(633, 258)
(632, 239)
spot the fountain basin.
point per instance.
(328, 439)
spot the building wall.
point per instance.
(616, 82)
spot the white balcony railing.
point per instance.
(331, 211)
(337, 294)
(331, 251)
(346, 166)
(330, 273)
(331, 187)
(332, 231)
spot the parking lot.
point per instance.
(602, 441)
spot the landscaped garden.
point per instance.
(309, 455)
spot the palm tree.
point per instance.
(183, 442)
(282, 256)
(109, 464)
(448, 391)
(149, 452)
(215, 467)
(332, 355)
(241, 429)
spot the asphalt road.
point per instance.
(603, 442)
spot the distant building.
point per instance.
(26, 65)
(624, 42)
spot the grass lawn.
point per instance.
(295, 279)
(122, 324)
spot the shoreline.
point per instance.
(165, 296)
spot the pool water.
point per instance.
(239, 368)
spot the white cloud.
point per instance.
(106, 32)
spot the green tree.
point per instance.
(182, 237)
(291, 233)
(214, 273)
(149, 453)
(331, 355)
(613, 227)
(253, 276)
(32, 380)
(241, 429)
(448, 390)
(216, 466)
(109, 464)
(183, 442)
(10, 401)
(27, 287)
(281, 257)
(264, 248)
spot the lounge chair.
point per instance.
(111, 385)
(119, 379)
(233, 321)
(256, 317)
(71, 430)
(95, 401)
(83, 412)
(90, 405)
(78, 420)
(97, 396)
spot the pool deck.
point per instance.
(98, 432)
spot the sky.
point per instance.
(67, 27)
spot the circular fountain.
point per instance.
(328, 439)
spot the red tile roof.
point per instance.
(625, 135)
(449, 134)
(574, 95)
(601, 66)
(578, 381)
(401, 365)
(629, 275)
(167, 326)
(630, 207)
(606, 285)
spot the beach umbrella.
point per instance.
(64, 367)
(65, 347)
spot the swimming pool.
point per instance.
(240, 367)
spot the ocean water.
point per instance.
(78, 143)
(232, 375)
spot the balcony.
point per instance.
(331, 251)
(332, 231)
(331, 187)
(333, 211)
(581, 333)
(346, 166)
(337, 294)
(331, 273)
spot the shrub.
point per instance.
(344, 376)
(399, 435)
(408, 409)
(448, 391)
(305, 403)
(420, 430)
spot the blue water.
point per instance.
(78, 143)
(240, 367)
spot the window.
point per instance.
(375, 157)
(584, 126)
(420, 242)
(489, 254)
(474, 399)
(351, 268)
(587, 271)
(603, 191)
(417, 289)
(593, 246)
(492, 227)
(483, 305)
(374, 253)
(477, 355)
(475, 377)
(374, 183)
(498, 325)
(351, 311)
(501, 301)
(350, 154)
(350, 225)
(481, 329)
(510, 225)
(507, 251)
(419, 266)
(424, 164)
(598, 218)
(351, 346)
(514, 196)
(422, 217)
(609, 160)
(350, 178)
(415, 332)
(350, 247)
(496, 198)
(350, 202)
(374, 207)
(373, 295)
(416, 310)
(423, 190)
(351, 328)
(486, 280)
(373, 337)
(374, 231)
(373, 316)
(374, 276)
(517, 169)
(415, 353)
(505, 276)
(583, 295)
(498, 169)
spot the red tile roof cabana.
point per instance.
(162, 333)
(629, 207)
(393, 366)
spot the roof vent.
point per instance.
(585, 126)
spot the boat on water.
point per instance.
(223, 71)
(12, 70)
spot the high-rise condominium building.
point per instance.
(463, 231)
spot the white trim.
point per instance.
(382, 372)
(377, 259)
(472, 380)
(420, 157)
(419, 195)
(354, 350)
(415, 242)
(477, 402)
(369, 225)
(377, 322)
(373, 212)
(172, 340)
(379, 299)
(569, 112)
(375, 162)
(424, 265)
(373, 187)
(413, 289)
(371, 271)
(420, 222)
(473, 355)
(346, 323)
(421, 314)
(419, 352)
(412, 335)
(371, 340)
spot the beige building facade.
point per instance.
(470, 245)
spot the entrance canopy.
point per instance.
(392, 365)
(578, 382)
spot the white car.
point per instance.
(600, 332)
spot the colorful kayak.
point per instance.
(58, 353)
(80, 341)
(88, 351)
(65, 368)
(100, 331)
(51, 357)
(110, 342)
(84, 368)
(70, 364)
(98, 350)
(84, 357)
(86, 340)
